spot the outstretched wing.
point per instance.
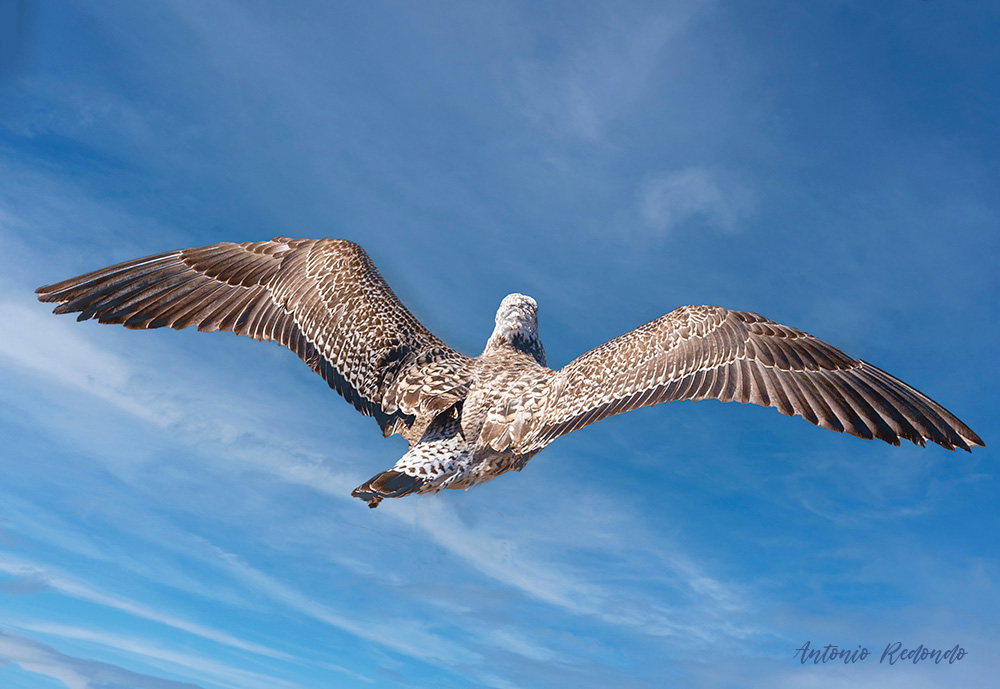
(708, 352)
(323, 299)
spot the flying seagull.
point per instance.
(470, 419)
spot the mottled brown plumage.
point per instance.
(470, 419)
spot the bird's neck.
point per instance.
(525, 342)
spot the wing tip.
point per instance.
(971, 442)
(49, 293)
(972, 438)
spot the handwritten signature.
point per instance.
(893, 653)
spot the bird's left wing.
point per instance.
(708, 352)
(323, 299)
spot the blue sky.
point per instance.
(175, 508)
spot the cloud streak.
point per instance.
(671, 202)
(76, 673)
(595, 78)
(69, 586)
(159, 655)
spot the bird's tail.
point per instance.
(388, 484)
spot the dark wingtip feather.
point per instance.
(49, 293)
(972, 439)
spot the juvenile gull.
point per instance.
(468, 419)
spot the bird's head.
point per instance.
(517, 325)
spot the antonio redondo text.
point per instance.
(893, 653)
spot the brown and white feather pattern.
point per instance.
(708, 352)
(470, 420)
(323, 299)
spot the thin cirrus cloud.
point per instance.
(583, 86)
(76, 673)
(672, 202)
(410, 638)
(405, 636)
(156, 654)
(69, 586)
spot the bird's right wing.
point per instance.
(323, 299)
(708, 352)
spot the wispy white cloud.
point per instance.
(160, 655)
(902, 485)
(79, 112)
(578, 87)
(52, 349)
(670, 201)
(515, 642)
(39, 523)
(553, 580)
(76, 673)
(72, 587)
(400, 634)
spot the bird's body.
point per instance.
(468, 419)
(453, 451)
